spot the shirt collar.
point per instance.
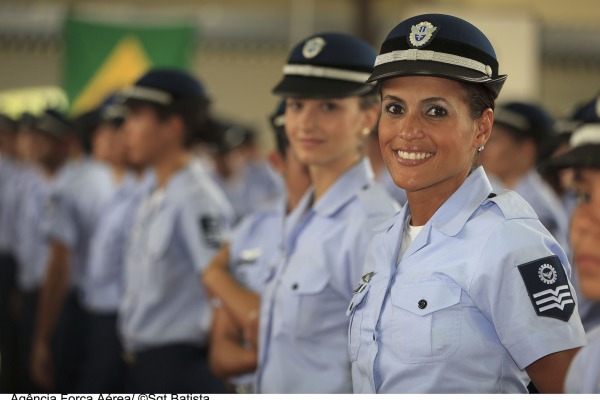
(456, 211)
(357, 178)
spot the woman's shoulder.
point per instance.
(375, 200)
(511, 205)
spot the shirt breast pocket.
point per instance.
(309, 301)
(426, 321)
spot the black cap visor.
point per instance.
(587, 155)
(431, 68)
(321, 88)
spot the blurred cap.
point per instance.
(327, 65)
(585, 113)
(164, 86)
(26, 121)
(113, 109)
(525, 120)
(439, 45)
(584, 142)
(231, 137)
(54, 124)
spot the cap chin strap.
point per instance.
(326, 72)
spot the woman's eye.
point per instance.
(583, 197)
(393, 109)
(436, 111)
(293, 105)
(328, 106)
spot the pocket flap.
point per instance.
(309, 281)
(425, 297)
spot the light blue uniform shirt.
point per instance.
(303, 326)
(81, 190)
(104, 273)
(584, 373)
(386, 180)
(546, 204)
(256, 187)
(176, 232)
(454, 315)
(31, 225)
(256, 245)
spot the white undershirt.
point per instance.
(410, 233)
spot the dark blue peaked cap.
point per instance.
(327, 65)
(163, 86)
(53, 123)
(589, 112)
(439, 45)
(525, 120)
(584, 142)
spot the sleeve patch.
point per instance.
(548, 288)
(211, 229)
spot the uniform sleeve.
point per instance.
(522, 286)
(203, 231)
(60, 219)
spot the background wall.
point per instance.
(549, 48)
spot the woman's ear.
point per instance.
(484, 128)
(371, 117)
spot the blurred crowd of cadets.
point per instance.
(524, 137)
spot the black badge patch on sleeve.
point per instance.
(211, 229)
(548, 288)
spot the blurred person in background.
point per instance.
(80, 189)
(244, 176)
(584, 160)
(181, 221)
(585, 114)
(46, 149)
(104, 369)
(236, 275)
(518, 144)
(10, 174)
(330, 113)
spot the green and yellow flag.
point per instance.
(101, 58)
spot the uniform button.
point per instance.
(294, 286)
(422, 303)
(373, 335)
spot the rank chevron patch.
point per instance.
(548, 288)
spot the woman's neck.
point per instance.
(323, 177)
(169, 165)
(425, 202)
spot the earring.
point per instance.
(366, 131)
(480, 148)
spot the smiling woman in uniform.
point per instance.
(464, 290)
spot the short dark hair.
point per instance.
(370, 98)
(479, 98)
(282, 143)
